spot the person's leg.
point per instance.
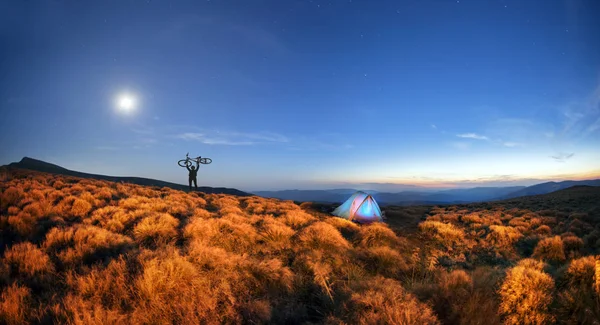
(190, 183)
(196, 183)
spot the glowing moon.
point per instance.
(126, 103)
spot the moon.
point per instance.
(126, 103)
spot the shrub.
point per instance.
(572, 243)
(543, 230)
(37, 209)
(105, 194)
(232, 236)
(385, 261)
(550, 249)
(459, 298)
(346, 227)
(384, 301)
(447, 234)
(321, 235)
(80, 208)
(276, 235)
(58, 184)
(297, 218)
(201, 213)
(504, 236)
(171, 289)
(526, 294)
(269, 276)
(109, 287)
(27, 260)
(577, 302)
(77, 310)
(519, 222)
(472, 218)
(64, 206)
(581, 272)
(84, 244)
(376, 234)
(10, 197)
(15, 305)
(23, 224)
(156, 229)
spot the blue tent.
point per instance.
(360, 207)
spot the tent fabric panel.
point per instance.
(344, 209)
(368, 211)
(358, 200)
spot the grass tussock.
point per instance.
(25, 260)
(384, 301)
(527, 294)
(77, 251)
(550, 249)
(15, 305)
(156, 229)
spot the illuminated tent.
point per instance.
(360, 207)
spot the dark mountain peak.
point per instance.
(38, 165)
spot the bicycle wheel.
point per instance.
(184, 163)
(205, 161)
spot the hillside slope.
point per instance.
(81, 251)
(42, 166)
(549, 187)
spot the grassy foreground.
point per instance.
(81, 251)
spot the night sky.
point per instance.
(305, 94)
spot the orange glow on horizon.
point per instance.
(459, 183)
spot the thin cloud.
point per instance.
(562, 157)
(266, 136)
(203, 138)
(472, 136)
(593, 127)
(581, 118)
(233, 138)
(433, 126)
(512, 144)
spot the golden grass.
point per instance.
(79, 251)
(15, 305)
(156, 229)
(384, 301)
(526, 294)
(27, 260)
(550, 249)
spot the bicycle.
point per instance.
(188, 162)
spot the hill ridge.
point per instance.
(46, 167)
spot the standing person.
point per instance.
(193, 174)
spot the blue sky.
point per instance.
(306, 94)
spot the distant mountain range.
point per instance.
(453, 196)
(408, 197)
(42, 166)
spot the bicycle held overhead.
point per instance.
(188, 162)
(193, 170)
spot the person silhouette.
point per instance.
(193, 174)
